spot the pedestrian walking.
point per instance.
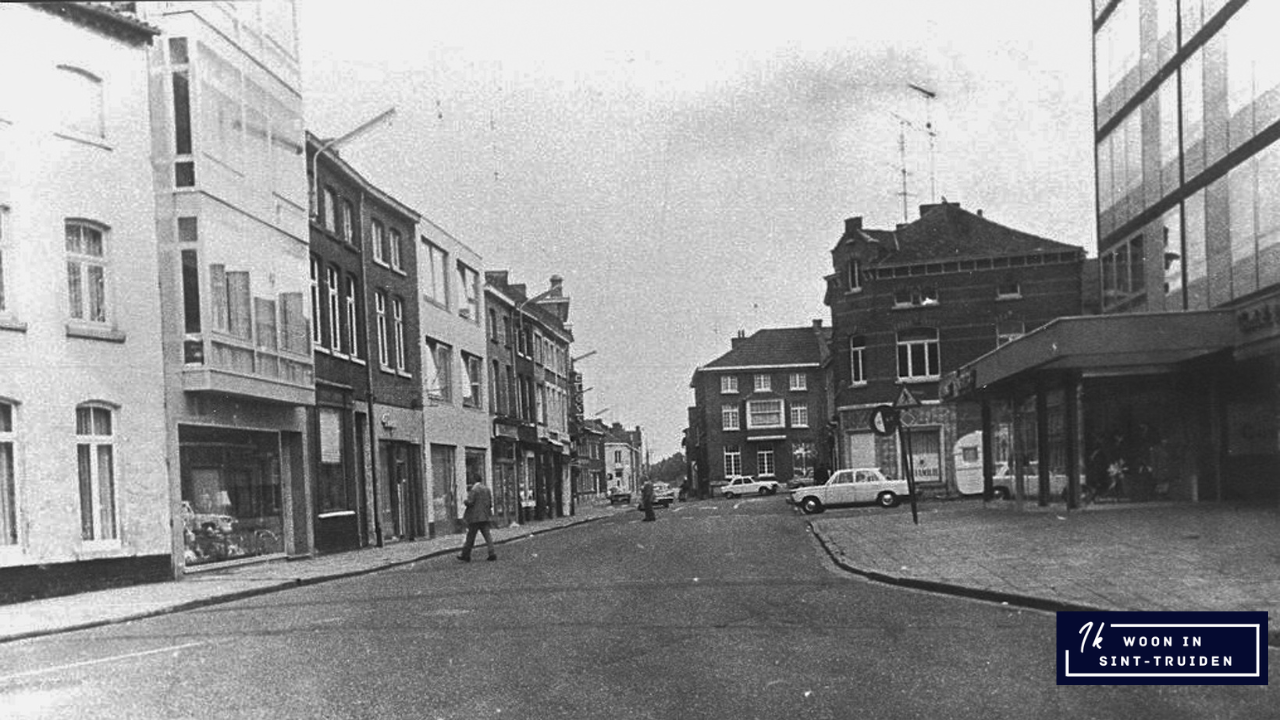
(479, 506)
(646, 500)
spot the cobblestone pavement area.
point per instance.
(1120, 557)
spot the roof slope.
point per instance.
(946, 231)
(775, 346)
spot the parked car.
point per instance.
(747, 485)
(618, 495)
(663, 495)
(850, 487)
(800, 481)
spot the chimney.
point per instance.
(557, 283)
(742, 335)
(852, 226)
(817, 323)
(979, 212)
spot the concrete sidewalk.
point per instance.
(1161, 556)
(104, 607)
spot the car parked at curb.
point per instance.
(618, 495)
(663, 496)
(850, 487)
(741, 485)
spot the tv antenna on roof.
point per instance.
(903, 124)
(929, 96)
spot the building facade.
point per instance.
(1174, 392)
(761, 409)
(623, 458)
(364, 277)
(532, 447)
(909, 305)
(84, 493)
(454, 355)
(231, 218)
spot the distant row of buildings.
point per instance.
(219, 342)
(1152, 371)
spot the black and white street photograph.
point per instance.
(665, 360)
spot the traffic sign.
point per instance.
(906, 399)
(884, 420)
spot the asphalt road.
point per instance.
(721, 609)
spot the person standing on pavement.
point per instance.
(479, 506)
(646, 500)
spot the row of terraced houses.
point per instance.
(219, 342)
(1149, 373)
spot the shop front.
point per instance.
(233, 503)
(1102, 409)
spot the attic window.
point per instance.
(854, 275)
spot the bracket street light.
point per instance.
(337, 142)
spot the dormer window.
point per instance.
(1008, 290)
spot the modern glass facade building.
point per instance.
(1173, 392)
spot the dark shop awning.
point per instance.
(1122, 344)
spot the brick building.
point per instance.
(761, 409)
(910, 304)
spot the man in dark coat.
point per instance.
(479, 504)
(646, 500)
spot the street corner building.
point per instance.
(1173, 392)
(909, 305)
(83, 483)
(761, 409)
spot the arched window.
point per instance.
(918, 354)
(86, 270)
(79, 94)
(95, 455)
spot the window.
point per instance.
(1009, 290)
(315, 300)
(353, 316)
(493, 326)
(80, 93)
(379, 242)
(396, 240)
(471, 391)
(230, 301)
(468, 293)
(858, 360)
(335, 315)
(436, 283)
(348, 221)
(764, 414)
(916, 296)
(762, 383)
(8, 483)
(397, 313)
(729, 419)
(764, 463)
(86, 271)
(732, 461)
(800, 416)
(617, 457)
(1123, 273)
(439, 383)
(853, 275)
(1008, 331)
(506, 331)
(4, 242)
(728, 384)
(95, 450)
(918, 354)
(380, 307)
(799, 381)
(496, 399)
(330, 210)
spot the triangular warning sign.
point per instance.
(906, 400)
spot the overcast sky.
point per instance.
(687, 166)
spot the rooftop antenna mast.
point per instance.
(903, 124)
(929, 96)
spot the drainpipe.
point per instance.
(368, 370)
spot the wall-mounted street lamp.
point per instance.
(337, 142)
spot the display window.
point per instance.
(231, 495)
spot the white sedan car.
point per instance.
(746, 485)
(850, 487)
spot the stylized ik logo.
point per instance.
(1097, 638)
